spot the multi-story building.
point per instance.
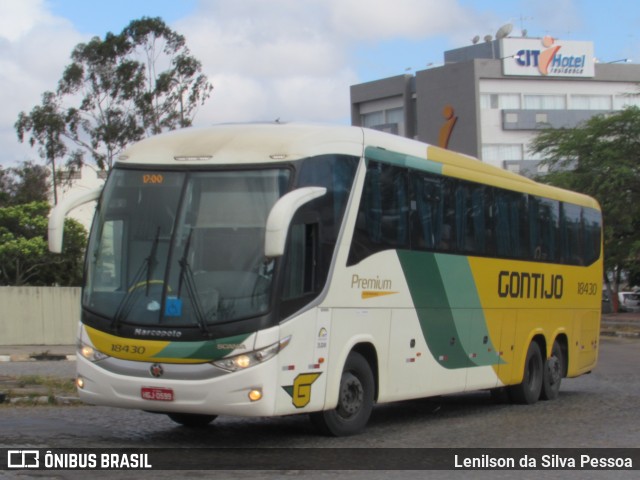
(490, 99)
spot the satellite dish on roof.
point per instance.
(488, 38)
(504, 31)
(475, 39)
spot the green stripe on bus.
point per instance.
(409, 161)
(448, 308)
(206, 350)
(464, 301)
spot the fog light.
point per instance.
(80, 382)
(255, 395)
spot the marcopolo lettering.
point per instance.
(530, 285)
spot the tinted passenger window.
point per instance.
(383, 215)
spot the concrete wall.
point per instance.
(39, 315)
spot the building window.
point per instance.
(542, 119)
(395, 115)
(629, 100)
(511, 118)
(590, 102)
(545, 102)
(372, 119)
(498, 153)
(389, 120)
(488, 101)
(494, 101)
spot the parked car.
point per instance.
(629, 301)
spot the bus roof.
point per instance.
(244, 144)
(254, 143)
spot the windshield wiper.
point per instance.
(133, 292)
(151, 260)
(186, 277)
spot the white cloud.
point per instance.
(288, 59)
(34, 48)
(269, 60)
(18, 18)
(292, 58)
(383, 19)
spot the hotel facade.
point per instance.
(490, 99)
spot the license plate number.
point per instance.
(157, 394)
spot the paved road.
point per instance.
(597, 410)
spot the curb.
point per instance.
(21, 357)
(619, 333)
(40, 400)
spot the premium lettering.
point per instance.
(370, 283)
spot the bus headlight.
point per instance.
(246, 360)
(90, 353)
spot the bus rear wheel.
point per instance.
(528, 392)
(192, 420)
(553, 372)
(355, 400)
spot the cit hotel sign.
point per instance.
(547, 57)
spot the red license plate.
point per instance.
(157, 394)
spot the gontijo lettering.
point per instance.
(529, 285)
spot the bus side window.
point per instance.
(383, 214)
(510, 222)
(470, 218)
(300, 272)
(543, 228)
(427, 222)
(571, 243)
(591, 233)
(109, 257)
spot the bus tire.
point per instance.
(355, 400)
(192, 420)
(528, 392)
(553, 370)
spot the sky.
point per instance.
(289, 59)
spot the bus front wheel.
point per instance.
(355, 400)
(529, 390)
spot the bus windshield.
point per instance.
(176, 248)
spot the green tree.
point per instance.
(25, 183)
(46, 128)
(140, 82)
(24, 256)
(6, 183)
(602, 158)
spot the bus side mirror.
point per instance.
(59, 212)
(281, 215)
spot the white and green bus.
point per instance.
(275, 269)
